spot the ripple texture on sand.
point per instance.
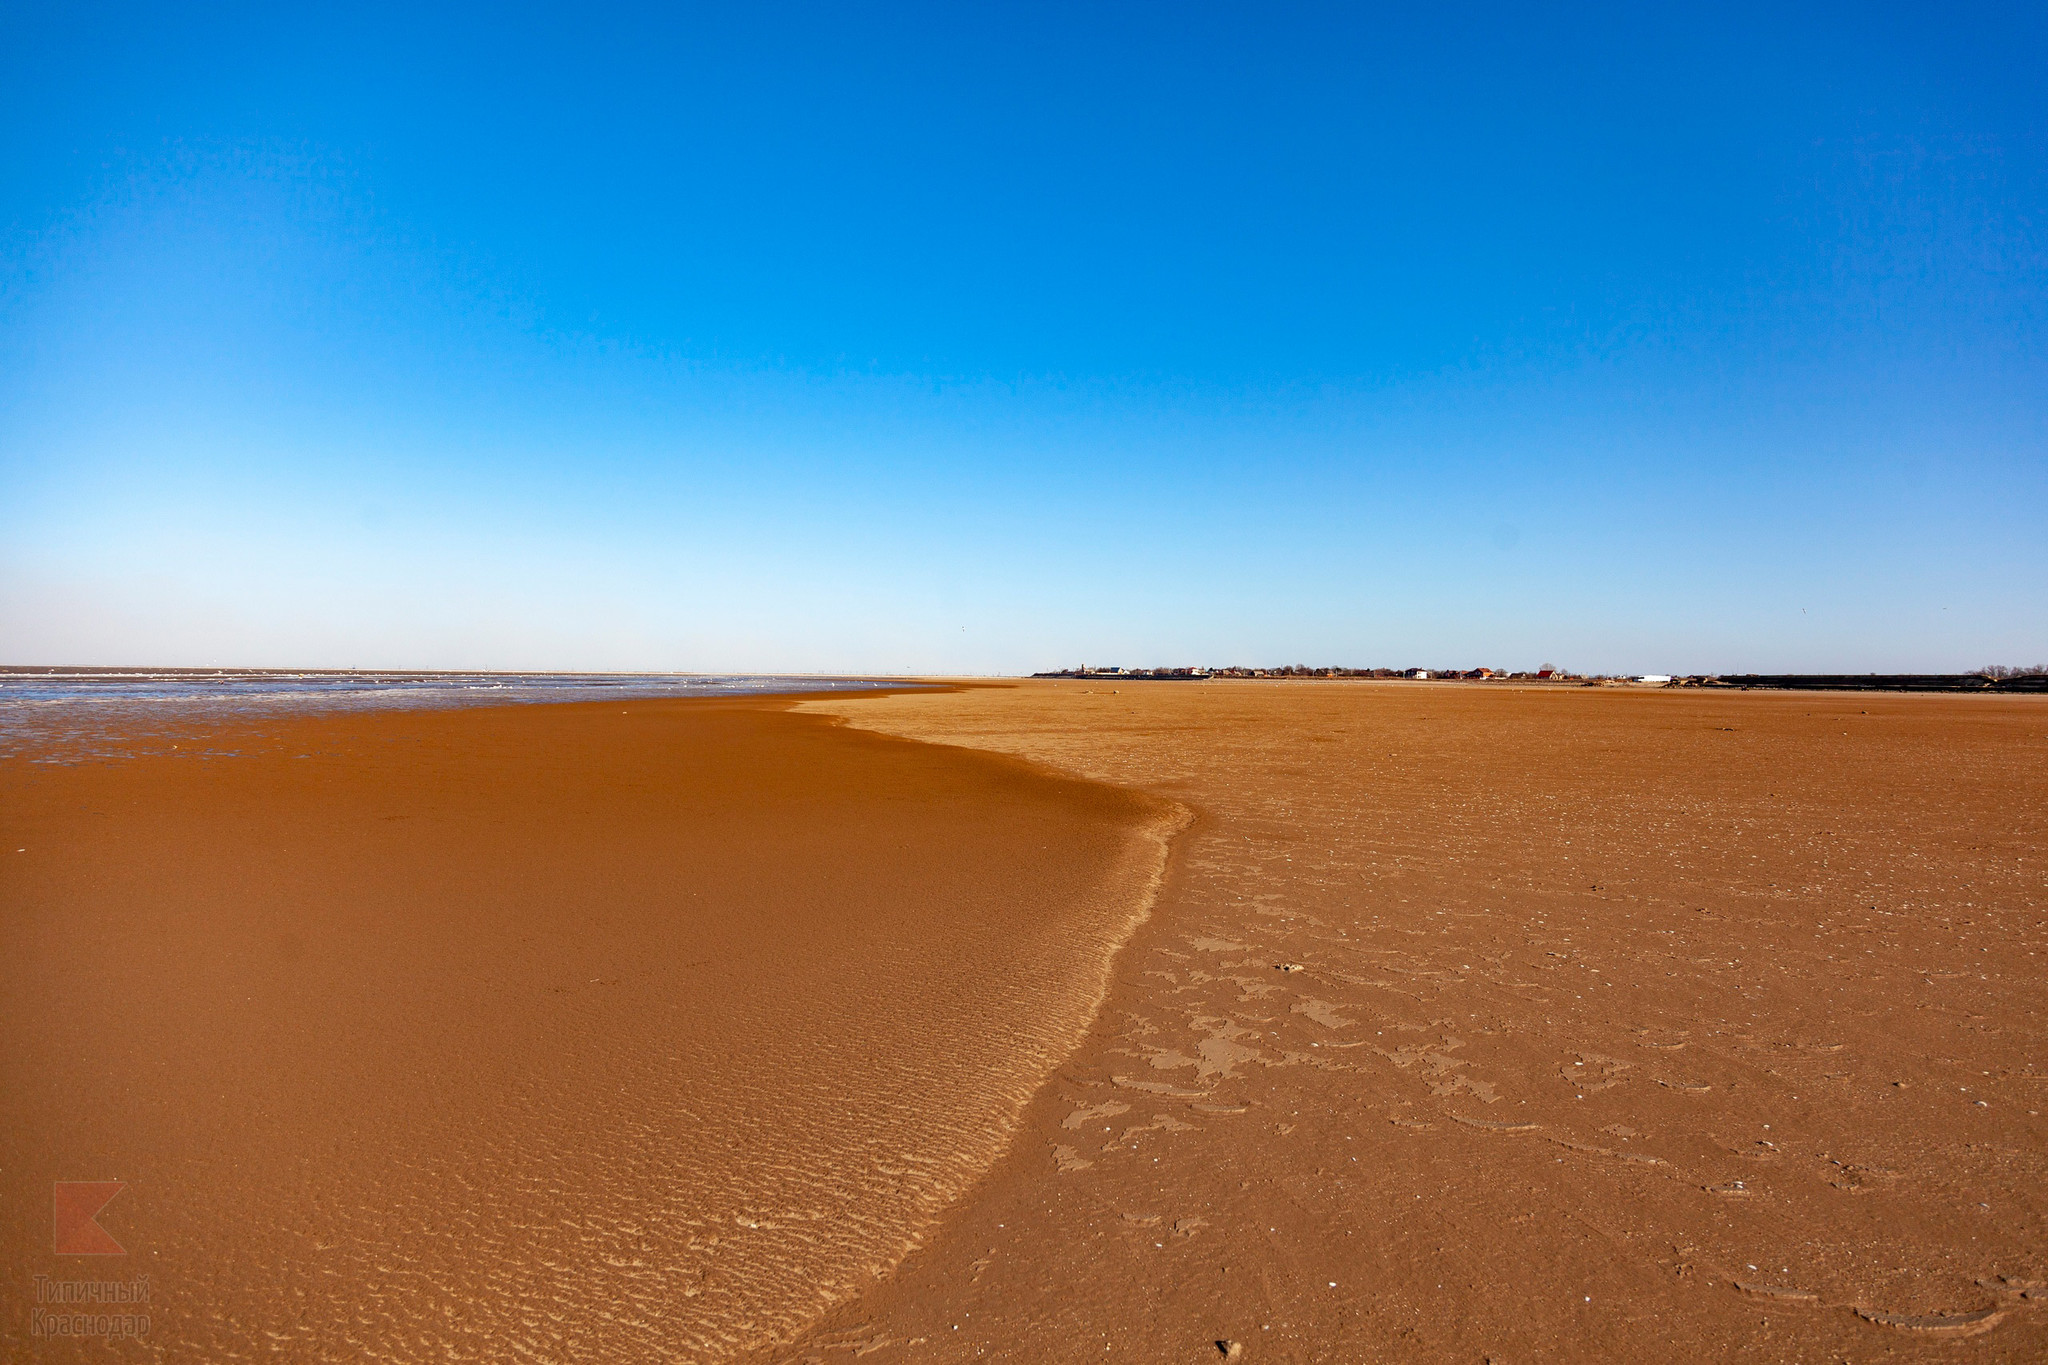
(550, 1033)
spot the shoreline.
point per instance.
(426, 954)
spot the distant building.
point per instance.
(1418, 672)
(1654, 678)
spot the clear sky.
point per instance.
(993, 338)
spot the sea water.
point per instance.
(51, 715)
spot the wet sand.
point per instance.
(1562, 1024)
(577, 1032)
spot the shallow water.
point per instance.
(77, 715)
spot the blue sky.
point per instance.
(990, 338)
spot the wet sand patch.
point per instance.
(579, 1031)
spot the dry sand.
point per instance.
(585, 1032)
(1489, 1024)
(1469, 1022)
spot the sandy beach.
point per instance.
(1047, 1022)
(1485, 1023)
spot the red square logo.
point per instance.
(75, 1207)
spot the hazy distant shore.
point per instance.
(2002, 680)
